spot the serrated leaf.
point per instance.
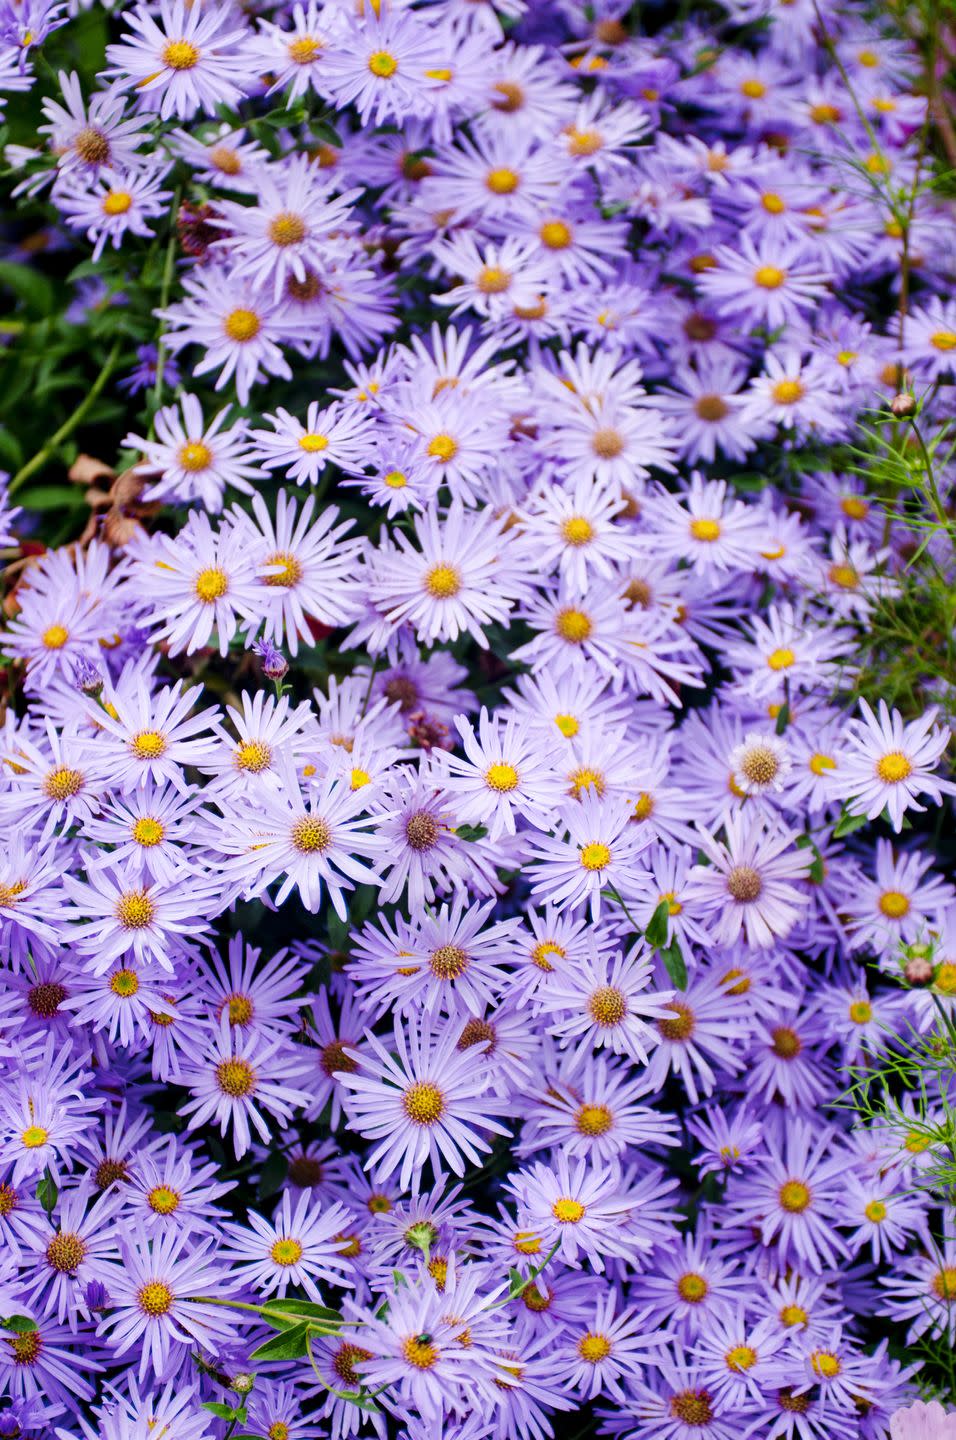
(656, 932)
(847, 823)
(19, 1324)
(289, 1344)
(673, 958)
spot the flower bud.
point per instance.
(903, 405)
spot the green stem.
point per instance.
(166, 286)
(69, 425)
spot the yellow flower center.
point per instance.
(443, 582)
(420, 1352)
(148, 745)
(443, 448)
(34, 1137)
(313, 443)
(253, 756)
(304, 50)
(180, 55)
(155, 1298)
(573, 626)
(382, 64)
(894, 904)
(55, 637)
(117, 202)
(63, 784)
(576, 530)
(286, 1252)
(242, 325)
(788, 392)
(773, 204)
(593, 1120)
(567, 1211)
(825, 1364)
(781, 659)
(594, 1348)
(147, 831)
(502, 181)
(681, 1025)
(424, 1103)
(595, 856)
(491, 280)
(287, 228)
(794, 1196)
(741, 1358)
(395, 480)
(861, 1012)
(501, 777)
(310, 835)
(875, 1211)
(135, 910)
(235, 1077)
(706, 530)
(555, 235)
(692, 1288)
(894, 767)
(769, 277)
(211, 585)
(753, 89)
(289, 575)
(124, 983)
(943, 340)
(819, 763)
(195, 455)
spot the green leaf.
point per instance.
(290, 1344)
(54, 497)
(817, 871)
(783, 718)
(29, 285)
(517, 1282)
(19, 1324)
(300, 1308)
(847, 823)
(656, 932)
(224, 1412)
(47, 1192)
(673, 958)
(471, 832)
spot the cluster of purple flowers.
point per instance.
(563, 813)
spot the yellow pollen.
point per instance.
(449, 962)
(607, 1005)
(289, 575)
(312, 443)
(846, 359)
(382, 64)
(117, 202)
(875, 1211)
(861, 1012)
(573, 626)
(287, 228)
(794, 1197)
(595, 856)
(569, 725)
(681, 1027)
(785, 1043)
(818, 763)
(421, 1353)
(236, 1077)
(63, 784)
(55, 637)
(744, 884)
(491, 280)
(242, 325)
(894, 767)
(594, 1348)
(443, 582)
(253, 756)
(34, 1137)
(148, 745)
(944, 1284)
(163, 1200)
(760, 764)
(424, 1103)
(286, 1252)
(781, 658)
(555, 235)
(92, 146)
(443, 448)
(567, 1211)
(180, 55)
(844, 576)
(527, 1243)
(706, 530)
(310, 835)
(825, 114)
(894, 904)
(792, 1315)
(576, 530)
(125, 984)
(943, 340)
(769, 277)
(643, 810)
(225, 160)
(304, 50)
(585, 778)
(155, 1298)
(692, 1288)
(502, 181)
(395, 480)
(540, 953)
(211, 585)
(740, 1359)
(358, 779)
(693, 1407)
(135, 910)
(773, 204)
(593, 1120)
(825, 1364)
(788, 392)
(501, 777)
(194, 455)
(753, 89)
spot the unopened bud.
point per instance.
(918, 970)
(243, 1383)
(87, 678)
(903, 405)
(274, 664)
